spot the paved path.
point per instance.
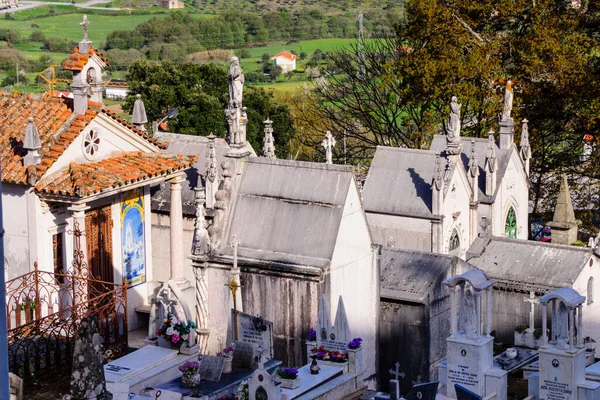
(24, 5)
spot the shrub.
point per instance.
(520, 328)
(37, 36)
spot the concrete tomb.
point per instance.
(562, 373)
(470, 351)
(211, 367)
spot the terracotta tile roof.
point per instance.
(158, 143)
(49, 114)
(127, 168)
(77, 60)
(286, 54)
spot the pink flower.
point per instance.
(175, 338)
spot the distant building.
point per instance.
(286, 60)
(116, 89)
(8, 3)
(170, 4)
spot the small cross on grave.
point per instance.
(260, 360)
(533, 301)
(397, 372)
(395, 383)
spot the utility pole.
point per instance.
(345, 158)
(359, 47)
(17, 71)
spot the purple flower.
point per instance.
(312, 335)
(175, 338)
(355, 343)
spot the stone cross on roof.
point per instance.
(397, 372)
(85, 24)
(329, 143)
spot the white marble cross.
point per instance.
(533, 301)
(329, 143)
(164, 298)
(85, 24)
(397, 372)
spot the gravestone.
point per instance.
(463, 393)
(244, 356)
(424, 391)
(87, 377)
(256, 331)
(211, 368)
(262, 387)
(337, 336)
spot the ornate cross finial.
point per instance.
(473, 166)
(439, 175)
(532, 300)
(85, 24)
(201, 239)
(329, 143)
(211, 163)
(397, 372)
(508, 101)
(269, 143)
(233, 286)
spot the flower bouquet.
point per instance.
(175, 331)
(355, 343)
(323, 354)
(289, 377)
(312, 335)
(191, 375)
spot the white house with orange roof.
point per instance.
(70, 169)
(286, 60)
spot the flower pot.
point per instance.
(190, 381)
(355, 360)
(511, 353)
(227, 364)
(289, 383)
(590, 346)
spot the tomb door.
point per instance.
(98, 236)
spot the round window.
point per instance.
(91, 144)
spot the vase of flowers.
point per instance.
(190, 374)
(330, 358)
(289, 377)
(355, 355)
(175, 331)
(227, 354)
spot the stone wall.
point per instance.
(403, 337)
(508, 311)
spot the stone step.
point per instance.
(144, 308)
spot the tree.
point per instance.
(400, 89)
(200, 92)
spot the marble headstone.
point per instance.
(256, 331)
(211, 368)
(333, 337)
(262, 387)
(465, 394)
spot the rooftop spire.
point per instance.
(212, 173)
(525, 147)
(564, 224)
(508, 101)
(491, 165)
(32, 144)
(269, 144)
(473, 166)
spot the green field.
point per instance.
(67, 26)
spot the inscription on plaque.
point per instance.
(463, 375)
(553, 390)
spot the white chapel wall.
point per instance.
(456, 213)
(15, 215)
(513, 191)
(353, 275)
(591, 312)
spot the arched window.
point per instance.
(510, 227)
(590, 291)
(454, 242)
